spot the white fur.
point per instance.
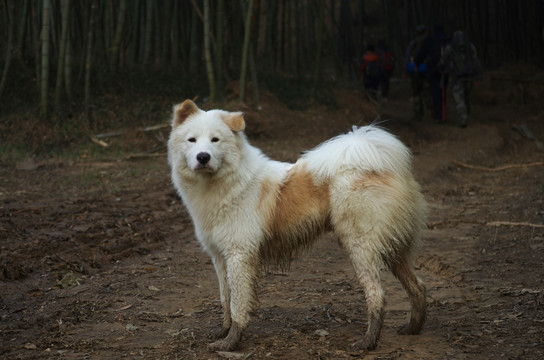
(367, 148)
(360, 184)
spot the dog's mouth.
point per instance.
(204, 168)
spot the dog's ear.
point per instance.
(182, 112)
(234, 120)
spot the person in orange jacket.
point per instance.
(371, 71)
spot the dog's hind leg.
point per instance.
(224, 291)
(241, 279)
(415, 288)
(367, 269)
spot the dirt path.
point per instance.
(98, 259)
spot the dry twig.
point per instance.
(511, 223)
(500, 168)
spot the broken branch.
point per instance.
(500, 168)
(511, 223)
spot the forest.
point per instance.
(61, 54)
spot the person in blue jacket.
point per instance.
(430, 53)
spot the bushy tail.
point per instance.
(367, 148)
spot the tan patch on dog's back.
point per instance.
(372, 179)
(295, 213)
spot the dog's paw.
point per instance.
(366, 343)
(218, 333)
(222, 345)
(230, 342)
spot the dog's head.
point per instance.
(202, 141)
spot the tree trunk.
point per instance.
(207, 51)
(44, 111)
(22, 28)
(219, 49)
(114, 57)
(245, 50)
(148, 31)
(62, 52)
(9, 49)
(88, 59)
(68, 70)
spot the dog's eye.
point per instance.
(214, 139)
(191, 139)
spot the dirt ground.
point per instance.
(98, 259)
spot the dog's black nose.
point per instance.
(203, 158)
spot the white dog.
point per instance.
(249, 211)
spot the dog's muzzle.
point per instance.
(203, 158)
(203, 164)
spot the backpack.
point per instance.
(388, 60)
(373, 70)
(462, 63)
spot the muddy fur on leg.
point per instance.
(250, 211)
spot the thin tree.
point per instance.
(88, 59)
(207, 52)
(44, 111)
(65, 4)
(220, 16)
(114, 57)
(148, 31)
(245, 50)
(11, 32)
(22, 27)
(68, 70)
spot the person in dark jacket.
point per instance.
(460, 61)
(388, 64)
(371, 71)
(421, 97)
(430, 53)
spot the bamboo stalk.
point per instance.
(245, 51)
(207, 51)
(44, 111)
(65, 4)
(9, 50)
(88, 59)
(114, 58)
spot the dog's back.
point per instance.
(358, 184)
(248, 209)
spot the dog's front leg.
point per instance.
(241, 279)
(224, 291)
